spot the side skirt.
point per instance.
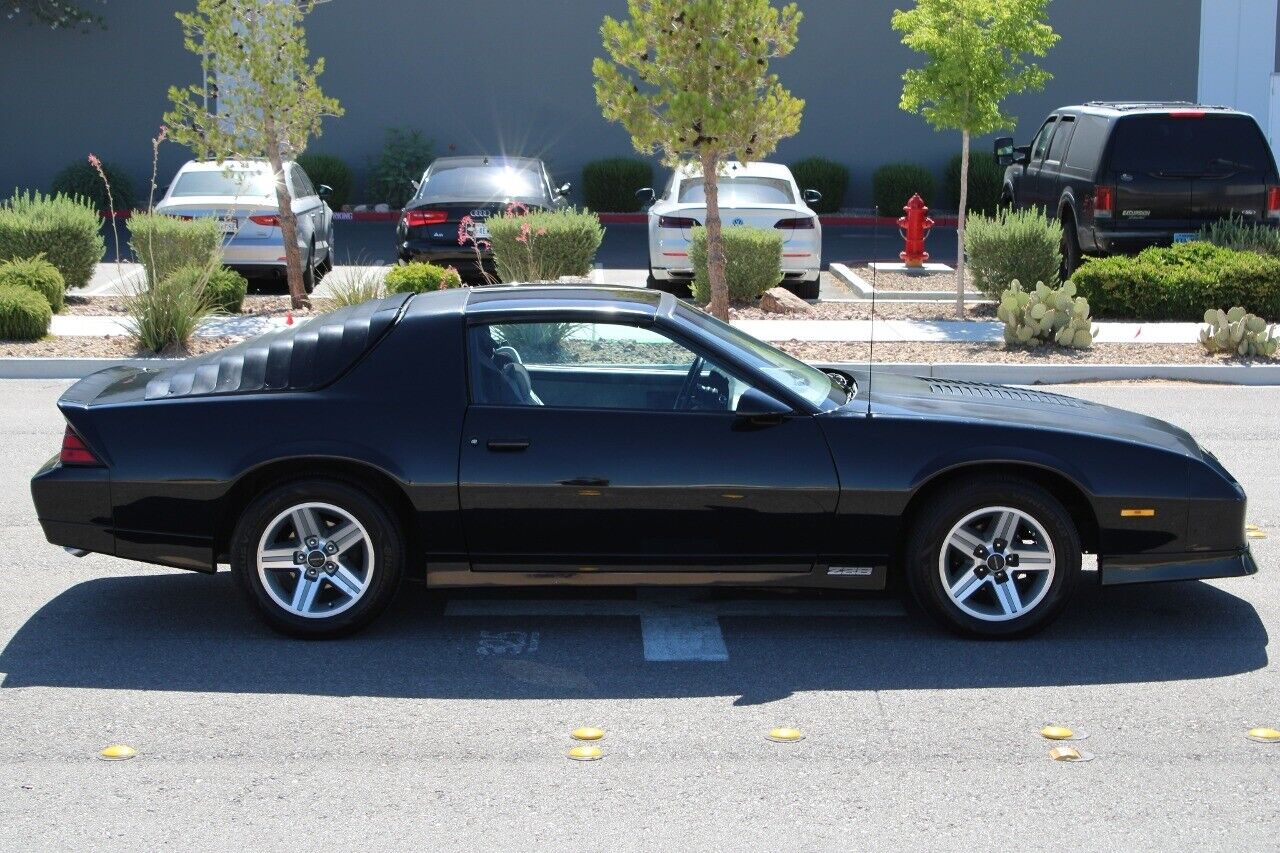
(869, 578)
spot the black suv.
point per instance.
(1125, 176)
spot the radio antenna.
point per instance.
(871, 351)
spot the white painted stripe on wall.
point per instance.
(1238, 55)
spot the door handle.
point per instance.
(508, 444)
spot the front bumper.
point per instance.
(1159, 568)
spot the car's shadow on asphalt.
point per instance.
(194, 633)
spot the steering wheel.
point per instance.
(690, 382)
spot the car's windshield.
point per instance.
(735, 192)
(803, 379)
(483, 184)
(232, 182)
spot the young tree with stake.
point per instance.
(975, 52)
(690, 79)
(271, 103)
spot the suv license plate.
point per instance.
(1186, 236)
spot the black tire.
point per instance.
(805, 289)
(326, 266)
(1043, 599)
(309, 270)
(1070, 247)
(383, 574)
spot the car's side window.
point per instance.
(302, 182)
(1061, 140)
(594, 366)
(1041, 145)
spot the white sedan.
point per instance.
(242, 194)
(763, 195)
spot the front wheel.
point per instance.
(318, 558)
(994, 557)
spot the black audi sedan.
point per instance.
(571, 436)
(445, 221)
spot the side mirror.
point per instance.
(563, 189)
(646, 195)
(417, 184)
(1004, 150)
(759, 408)
(324, 191)
(812, 197)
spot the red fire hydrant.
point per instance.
(915, 228)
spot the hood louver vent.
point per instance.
(980, 391)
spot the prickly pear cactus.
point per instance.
(1045, 316)
(1237, 332)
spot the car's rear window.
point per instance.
(735, 192)
(483, 184)
(230, 183)
(1191, 145)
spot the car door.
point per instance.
(617, 447)
(1050, 177)
(1034, 191)
(307, 207)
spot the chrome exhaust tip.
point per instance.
(75, 552)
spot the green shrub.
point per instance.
(1235, 233)
(405, 155)
(353, 285)
(544, 245)
(81, 180)
(1017, 245)
(986, 182)
(223, 289)
(541, 343)
(1237, 332)
(24, 314)
(610, 185)
(753, 262)
(893, 185)
(330, 170)
(65, 230)
(37, 274)
(418, 277)
(1180, 282)
(162, 318)
(1045, 316)
(827, 177)
(164, 244)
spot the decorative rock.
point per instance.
(779, 300)
(381, 207)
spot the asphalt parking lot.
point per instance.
(446, 724)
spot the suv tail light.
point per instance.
(1273, 202)
(76, 452)
(1104, 202)
(676, 222)
(270, 220)
(418, 218)
(1186, 114)
(802, 222)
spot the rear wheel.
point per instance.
(1070, 247)
(993, 557)
(805, 289)
(318, 558)
(309, 270)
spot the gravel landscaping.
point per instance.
(885, 310)
(901, 281)
(254, 305)
(996, 353)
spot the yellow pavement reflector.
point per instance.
(1069, 754)
(117, 752)
(1264, 735)
(785, 735)
(587, 733)
(586, 753)
(1253, 531)
(1061, 733)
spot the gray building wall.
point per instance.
(515, 75)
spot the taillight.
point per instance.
(676, 222)
(1104, 202)
(802, 222)
(75, 451)
(184, 217)
(1187, 114)
(270, 220)
(1273, 202)
(418, 218)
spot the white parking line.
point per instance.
(674, 627)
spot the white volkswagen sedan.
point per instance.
(242, 194)
(763, 195)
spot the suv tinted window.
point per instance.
(1061, 139)
(1087, 143)
(1189, 146)
(1041, 144)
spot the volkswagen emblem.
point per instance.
(739, 221)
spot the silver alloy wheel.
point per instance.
(315, 560)
(997, 564)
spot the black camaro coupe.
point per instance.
(589, 436)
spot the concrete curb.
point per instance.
(860, 286)
(999, 374)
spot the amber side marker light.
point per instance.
(1137, 513)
